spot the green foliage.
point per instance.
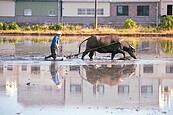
(28, 28)
(51, 27)
(59, 26)
(44, 27)
(5, 26)
(72, 27)
(130, 24)
(13, 26)
(35, 27)
(166, 23)
(1, 26)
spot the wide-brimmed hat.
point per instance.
(59, 33)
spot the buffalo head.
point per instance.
(132, 52)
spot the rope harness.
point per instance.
(93, 49)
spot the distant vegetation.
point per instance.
(166, 23)
(59, 26)
(130, 24)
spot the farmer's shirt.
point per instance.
(55, 39)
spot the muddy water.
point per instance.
(102, 86)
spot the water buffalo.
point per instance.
(107, 44)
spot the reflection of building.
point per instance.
(141, 89)
(149, 86)
(41, 89)
(151, 49)
(7, 49)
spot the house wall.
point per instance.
(110, 16)
(38, 8)
(39, 12)
(143, 20)
(7, 11)
(71, 9)
(164, 4)
(70, 13)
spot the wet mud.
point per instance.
(31, 85)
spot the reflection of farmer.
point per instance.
(54, 45)
(55, 75)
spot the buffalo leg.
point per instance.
(91, 54)
(112, 56)
(121, 51)
(84, 53)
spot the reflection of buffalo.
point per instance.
(107, 44)
(108, 75)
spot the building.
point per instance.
(166, 7)
(144, 12)
(7, 10)
(37, 11)
(82, 12)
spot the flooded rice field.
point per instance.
(29, 85)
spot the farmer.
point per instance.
(55, 75)
(55, 45)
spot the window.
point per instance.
(27, 12)
(122, 10)
(10, 67)
(169, 68)
(1, 69)
(98, 89)
(90, 11)
(74, 68)
(148, 68)
(142, 10)
(147, 89)
(81, 11)
(51, 12)
(75, 88)
(145, 46)
(169, 9)
(24, 67)
(100, 12)
(35, 69)
(123, 89)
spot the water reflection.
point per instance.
(166, 46)
(55, 74)
(147, 48)
(124, 86)
(108, 74)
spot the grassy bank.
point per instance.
(86, 32)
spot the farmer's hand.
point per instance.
(59, 47)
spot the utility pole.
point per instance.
(60, 11)
(95, 17)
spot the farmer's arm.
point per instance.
(57, 44)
